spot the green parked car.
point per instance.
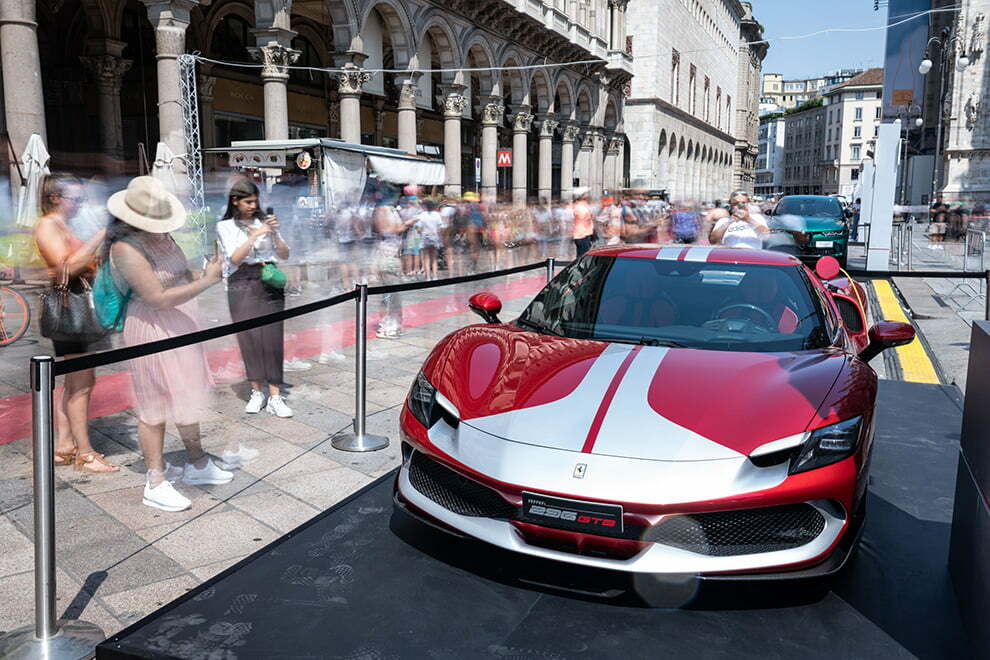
(817, 223)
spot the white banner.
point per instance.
(344, 176)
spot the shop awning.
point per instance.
(408, 170)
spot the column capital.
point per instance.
(454, 102)
(493, 113)
(170, 13)
(107, 71)
(615, 143)
(204, 86)
(275, 58)
(352, 81)
(588, 139)
(522, 120)
(570, 131)
(408, 91)
(548, 124)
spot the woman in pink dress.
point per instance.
(172, 386)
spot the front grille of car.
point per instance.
(454, 492)
(742, 532)
(818, 252)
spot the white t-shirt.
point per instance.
(740, 233)
(430, 223)
(232, 235)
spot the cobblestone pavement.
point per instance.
(118, 560)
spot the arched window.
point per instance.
(230, 40)
(308, 57)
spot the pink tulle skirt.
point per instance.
(173, 386)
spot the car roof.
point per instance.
(806, 197)
(706, 253)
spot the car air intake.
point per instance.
(454, 492)
(742, 532)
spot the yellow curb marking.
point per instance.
(916, 366)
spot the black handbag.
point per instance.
(68, 314)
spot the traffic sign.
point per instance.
(477, 170)
(504, 159)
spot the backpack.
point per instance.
(686, 225)
(109, 302)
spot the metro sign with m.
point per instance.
(503, 159)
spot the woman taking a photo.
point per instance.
(73, 260)
(249, 241)
(174, 385)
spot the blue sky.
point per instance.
(806, 58)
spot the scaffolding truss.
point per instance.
(194, 156)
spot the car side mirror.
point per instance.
(884, 335)
(827, 268)
(486, 305)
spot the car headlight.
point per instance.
(827, 445)
(422, 400)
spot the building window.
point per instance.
(876, 131)
(857, 131)
(718, 107)
(879, 113)
(859, 96)
(675, 77)
(708, 100)
(859, 114)
(879, 95)
(854, 175)
(693, 90)
(854, 152)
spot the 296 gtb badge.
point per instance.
(577, 515)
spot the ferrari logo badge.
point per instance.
(579, 470)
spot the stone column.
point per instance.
(548, 126)
(618, 148)
(585, 166)
(408, 90)
(351, 83)
(107, 68)
(569, 134)
(170, 18)
(24, 103)
(597, 163)
(454, 103)
(522, 122)
(492, 115)
(608, 166)
(276, 57)
(616, 26)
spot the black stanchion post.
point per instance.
(551, 267)
(47, 638)
(359, 440)
(986, 288)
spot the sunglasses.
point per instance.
(78, 200)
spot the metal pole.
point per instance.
(359, 440)
(938, 126)
(551, 267)
(986, 279)
(46, 638)
(43, 436)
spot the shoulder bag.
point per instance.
(67, 315)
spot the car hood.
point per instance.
(625, 400)
(807, 223)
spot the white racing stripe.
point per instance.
(698, 254)
(632, 428)
(670, 253)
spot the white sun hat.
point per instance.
(147, 205)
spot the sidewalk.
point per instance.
(118, 560)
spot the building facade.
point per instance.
(751, 53)
(682, 106)
(804, 139)
(770, 159)
(965, 170)
(70, 65)
(853, 113)
(786, 94)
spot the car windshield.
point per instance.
(815, 207)
(732, 307)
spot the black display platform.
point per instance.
(358, 583)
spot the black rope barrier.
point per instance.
(105, 358)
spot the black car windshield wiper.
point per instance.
(644, 341)
(533, 325)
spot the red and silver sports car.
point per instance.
(675, 410)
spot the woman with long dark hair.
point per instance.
(250, 240)
(73, 260)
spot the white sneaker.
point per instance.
(331, 357)
(234, 458)
(388, 334)
(296, 365)
(208, 475)
(276, 406)
(165, 497)
(173, 472)
(256, 403)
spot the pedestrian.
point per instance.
(938, 225)
(387, 266)
(740, 228)
(72, 261)
(430, 226)
(252, 246)
(174, 385)
(856, 208)
(583, 225)
(685, 224)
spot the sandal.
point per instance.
(65, 458)
(87, 463)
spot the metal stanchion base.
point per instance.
(355, 442)
(74, 640)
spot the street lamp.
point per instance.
(945, 41)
